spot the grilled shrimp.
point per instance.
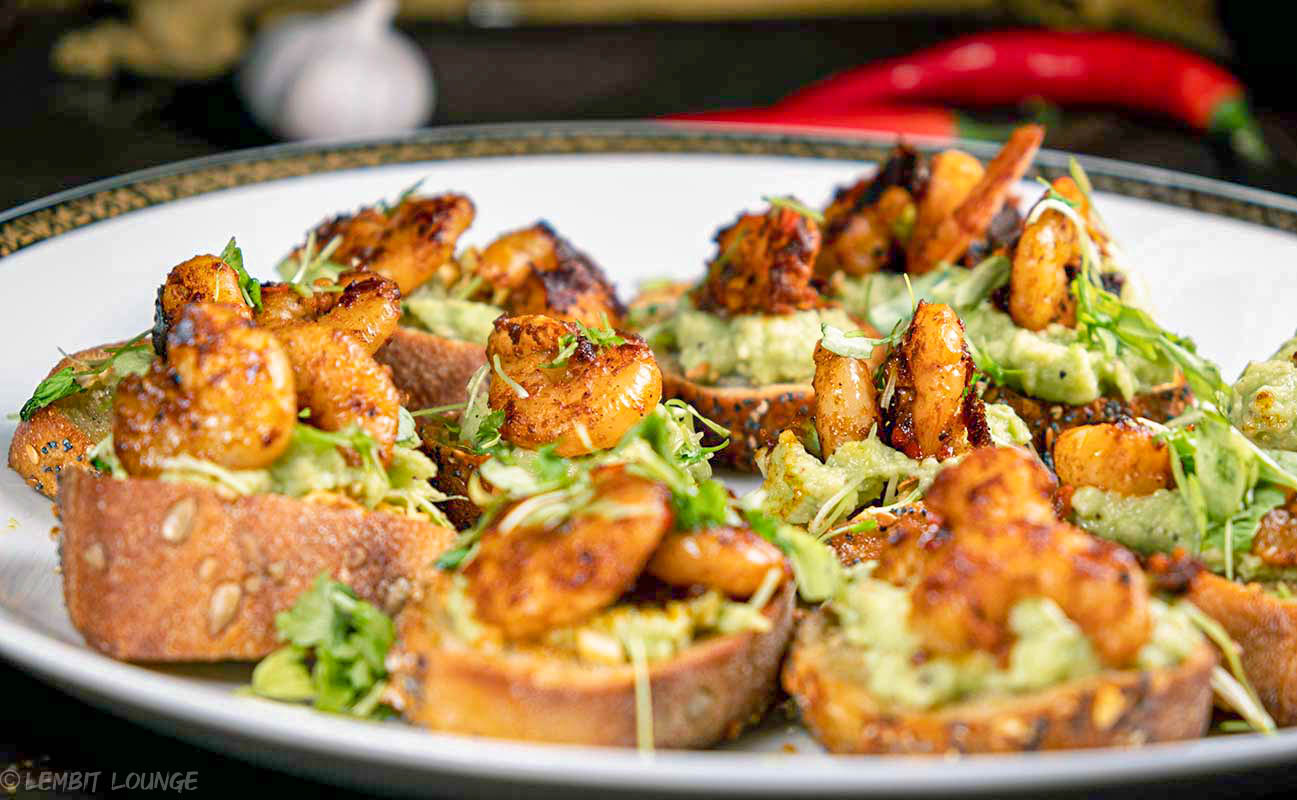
(1123, 457)
(582, 407)
(201, 279)
(994, 557)
(368, 307)
(929, 411)
(733, 560)
(867, 221)
(223, 394)
(846, 400)
(406, 244)
(536, 271)
(1275, 542)
(951, 217)
(528, 579)
(764, 264)
(341, 383)
(1039, 284)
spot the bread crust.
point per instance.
(430, 369)
(158, 571)
(1047, 420)
(1113, 708)
(705, 694)
(52, 440)
(1265, 627)
(754, 415)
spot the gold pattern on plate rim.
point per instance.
(45, 223)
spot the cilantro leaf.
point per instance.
(602, 337)
(249, 285)
(488, 433)
(706, 507)
(815, 565)
(343, 640)
(69, 380)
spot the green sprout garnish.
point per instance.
(310, 267)
(386, 209)
(794, 205)
(248, 285)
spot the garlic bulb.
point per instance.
(344, 74)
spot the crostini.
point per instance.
(991, 626)
(888, 413)
(738, 346)
(253, 445)
(1199, 486)
(1055, 318)
(551, 387)
(621, 604)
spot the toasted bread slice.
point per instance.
(1047, 420)
(58, 436)
(705, 694)
(432, 370)
(754, 415)
(1113, 708)
(158, 571)
(1265, 626)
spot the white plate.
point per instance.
(644, 201)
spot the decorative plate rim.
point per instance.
(53, 215)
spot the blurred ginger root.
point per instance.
(198, 39)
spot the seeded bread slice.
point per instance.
(158, 571)
(1047, 420)
(1114, 708)
(58, 436)
(430, 369)
(754, 415)
(1265, 626)
(707, 693)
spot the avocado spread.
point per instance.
(1051, 364)
(432, 309)
(663, 630)
(311, 464)
(885, 654)
(751, 349)
(1225, 485)
(797, 485)
(1265, 400)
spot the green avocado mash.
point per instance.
(1225, 485)
(312, 463)
(1265, 400)
(755, 349)
(607, 637)
(885, 654)
(1051, 364)
(431, 309)
(798, 485)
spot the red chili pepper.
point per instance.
(1066, 68)
(909, 120)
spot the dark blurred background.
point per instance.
(94, 89)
